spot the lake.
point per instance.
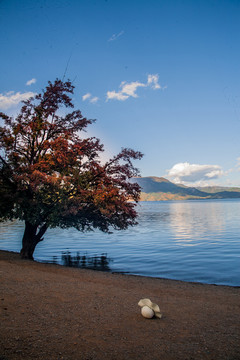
(195, 240)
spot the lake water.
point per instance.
(185, 240)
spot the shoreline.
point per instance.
(130, 274)
(50, 311)
(119, 272)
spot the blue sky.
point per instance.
(162, 77)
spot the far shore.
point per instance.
(54, 312)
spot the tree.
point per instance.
(52, 176)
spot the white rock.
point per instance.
(147, 312)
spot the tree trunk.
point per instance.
(30, 239)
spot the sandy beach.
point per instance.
(53, 312)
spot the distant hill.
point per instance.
(159, 189)
(215, 189)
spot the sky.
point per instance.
(160, 76)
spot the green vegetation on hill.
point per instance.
(216, 189)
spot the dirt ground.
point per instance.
(53, 312)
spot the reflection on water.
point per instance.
(85, 261)
(193, 220)
(185, 240)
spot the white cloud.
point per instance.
(191, 173)
(129, 89)
(30, 82)
(115, 36)
(94, 99)
(11, 99)
(86, 96)
(118, 96)
(153, 81)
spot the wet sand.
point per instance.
(53, 312)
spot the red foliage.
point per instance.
(51, 176)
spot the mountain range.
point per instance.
(159, 189)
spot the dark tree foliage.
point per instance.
(52, 176)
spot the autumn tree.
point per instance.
(52, 176)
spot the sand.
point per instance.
(53, 312)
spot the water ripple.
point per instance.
(185, 240)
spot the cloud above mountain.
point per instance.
(191, 173)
